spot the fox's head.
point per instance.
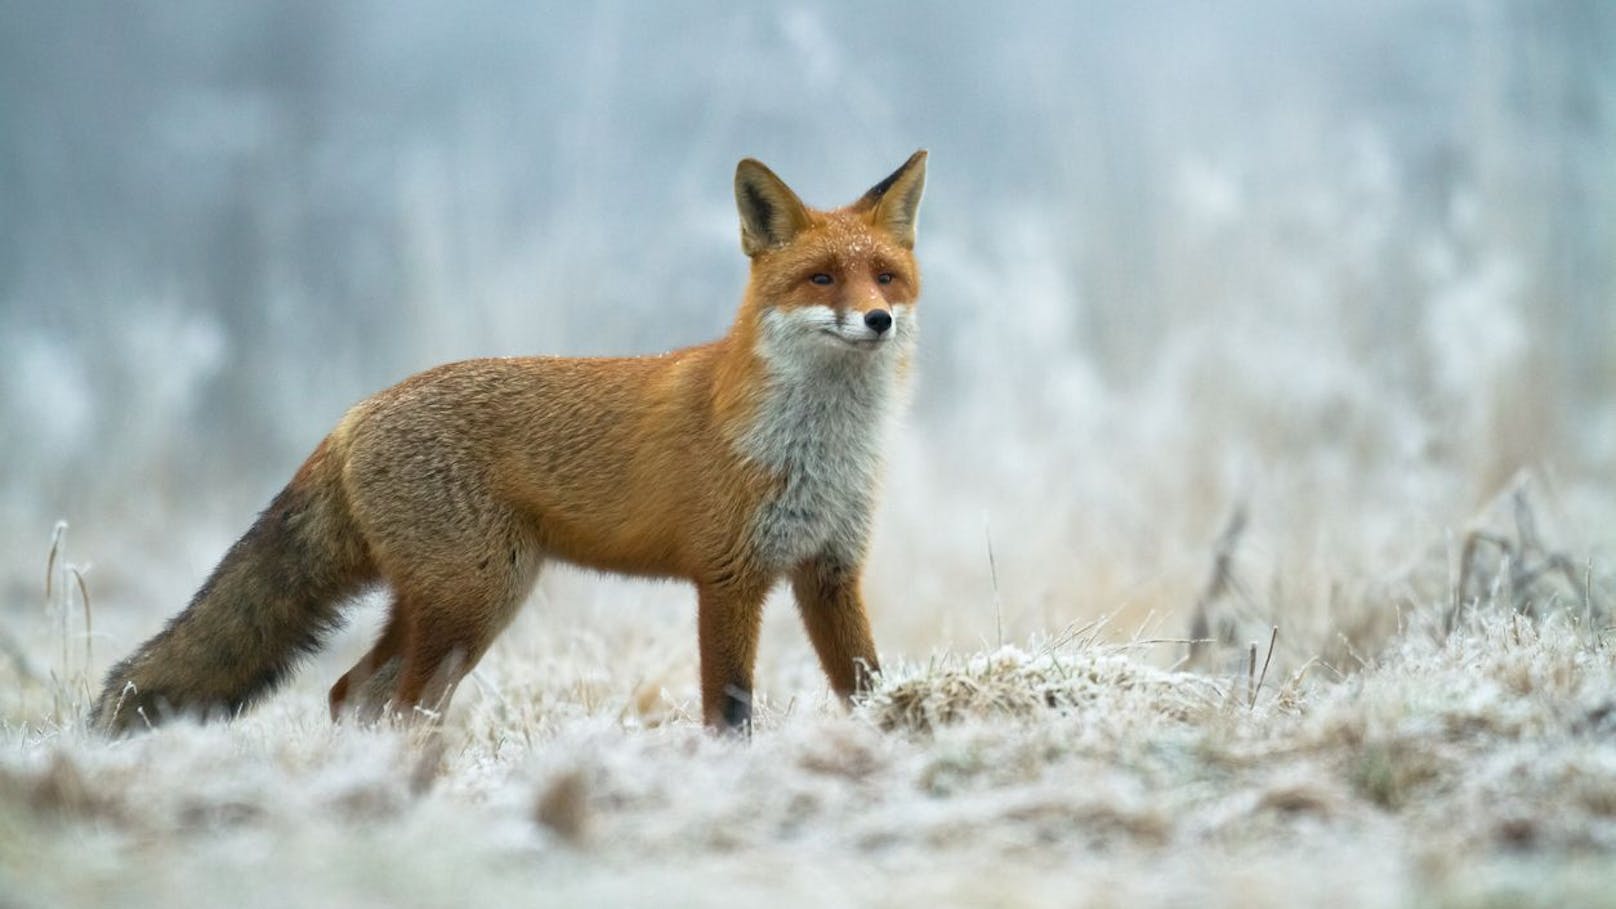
(841, 282)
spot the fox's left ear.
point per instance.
(895, 202)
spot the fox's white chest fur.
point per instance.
(821, 426)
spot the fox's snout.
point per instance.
(867, 328)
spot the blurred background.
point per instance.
(1347, 267)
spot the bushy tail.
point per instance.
(271, 600)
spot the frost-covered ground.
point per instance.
(1471, 760)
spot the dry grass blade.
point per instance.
(993, 572)
(57, 534)
(1263, 676)
(1251, 676)
(89, 626)
(1219, 584)
(1514, 571)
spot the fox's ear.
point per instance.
(771, 214)
(895, 201)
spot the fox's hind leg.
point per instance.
(458, 558)
(442, 646)
(447, 627)
(364, 690)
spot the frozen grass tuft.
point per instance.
(1010, 684)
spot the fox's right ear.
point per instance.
(771, 214)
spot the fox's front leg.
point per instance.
(729, 615)
(832, 608)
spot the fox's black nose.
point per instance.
(879, 320)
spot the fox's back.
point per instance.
(590, 456)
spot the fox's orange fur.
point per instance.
(733, 464)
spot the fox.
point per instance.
(733, 465)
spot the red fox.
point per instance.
(732, 464)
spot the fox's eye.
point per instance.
(820, 278)
(884, 278)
